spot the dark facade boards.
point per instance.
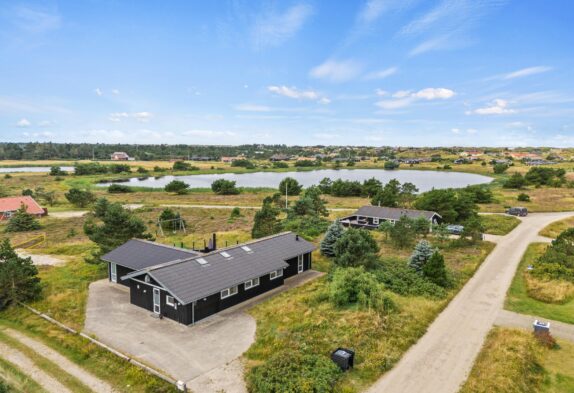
(370, 217)
(191, 289)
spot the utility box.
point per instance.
(343, 357)
(541, 327)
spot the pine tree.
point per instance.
(421, 255)
(265, 222)
(21, 221)
(435, 271)
(18, 277)
(334, 233)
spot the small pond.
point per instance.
(424, 180)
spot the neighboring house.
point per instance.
(525, 156)
(471, 153)
(370, 217)
(187, 286)
(230, 159)
(8, 207)
(279, 157)
(120, 156)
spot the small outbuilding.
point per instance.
(370, 217)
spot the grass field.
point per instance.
(512, 361)
(17, 380)
(497, 224)
(556, 228)
(309, 323)
(518, 299)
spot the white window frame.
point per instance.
(227, 292)
(276, 274)
(300, 263)
(113, 272)
(376, 220)
(254, 282)
(156, 305)
(170, 300)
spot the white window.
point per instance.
(300, 264)
(113, 272)
(376, 220)
(251, 283)
(275, 274)
(169, 300)
(228, 292)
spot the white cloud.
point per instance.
(252, 108)
(455, 130)
(36, 20)
(98, 91)
(23, 123)
(209, 133)
(142, 117)
(497, 107)
(471, 131)
(374, 9)
(336, 71)
(527, 72)
(403, 98)
(273, 29)
(44, 134)
(115, 92)
(293, 92)
(381, 92)
(382, 74)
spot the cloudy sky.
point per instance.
(374, 72)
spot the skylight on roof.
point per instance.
(201, 261)
(225, 254)
(245, 248)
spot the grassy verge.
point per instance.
(496, 224)
(556, 228)
(311, 324)
(106, 366)
(16, 379)
(46, 365)
(519, 300)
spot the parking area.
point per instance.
(188, 353)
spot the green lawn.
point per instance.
(497, 224)
(556, 228)
(517, 298)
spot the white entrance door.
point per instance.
(113, 272)
(300, 265)
(156, 301)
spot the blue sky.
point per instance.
(375, 72)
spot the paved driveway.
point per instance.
(441, 360)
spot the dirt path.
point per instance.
(71, 368)
(27, 366)
(512, 319)
(443, 357)
(41, 259)
(68, 214)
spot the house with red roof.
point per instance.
(8, 207)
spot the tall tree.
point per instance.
(265, 222)
(420, 256)
(290, 185)
(389, 195)
(19, 280)
(22, 221)
(117, 226)
(334, 233)
(356, 248)
(80, 198)
(435, 270)
(403, 233)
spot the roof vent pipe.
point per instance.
(297, 237)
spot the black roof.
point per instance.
(393, 213)
(198, 277)
(138, 254)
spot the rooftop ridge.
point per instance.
(167, 246)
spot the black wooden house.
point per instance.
(189, 288)
(370, 217)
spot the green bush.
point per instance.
(515, 181)
(401, 279)
(177, 186)
(389, 165)
(243, 164)
(557, 262)
(356, 248)
(500, 168)
(435, 270)
(294, 371)
(119, 189)
(522, 197)
(334, 233)
(305, 163)
(57, 171)
(80, 198)
(224, 187)
(235, 213)
(21, 221)
(279, 164)
(291, 186)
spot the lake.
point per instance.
(37, 169)
(424, 180)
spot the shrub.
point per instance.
(57, 171)
(342, 188)
(545, 339)
(243, 164)
(522, 197)
(452, 205)
(356, 248)
(541, 176)
(120, 168)
(516, 181)
(27, 192)
(403, 233)
(334, 233)
(309, 227)
(181, 166)
(435, 270)
(401, 279)
(290, 185)
(170, 219)
(389, 165)
(294, 371)
(119, 189)
(499, 168)
(235, 213)
(142, 170)
(265, 222)
(159, 169)
(557, 262)
(90, 168)
(350, 286)
(21, 221)
(479, 193)
(224, 187)
(279, 164)
(420, 256)
(177, 186)
(19, 280)
(305, 163)
(80, 198)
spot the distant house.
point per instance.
(370, 217)
(8, 206)
(279, 157)
(230, 159)
(471, 153)
(525, 156)
(187, 286)
(120, 156)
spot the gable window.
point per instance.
(275, 274)
(228, 292)
(170, 301)
(251, 283)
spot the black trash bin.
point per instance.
(343, 357)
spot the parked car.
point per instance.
(455, 229)
(517, 211)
